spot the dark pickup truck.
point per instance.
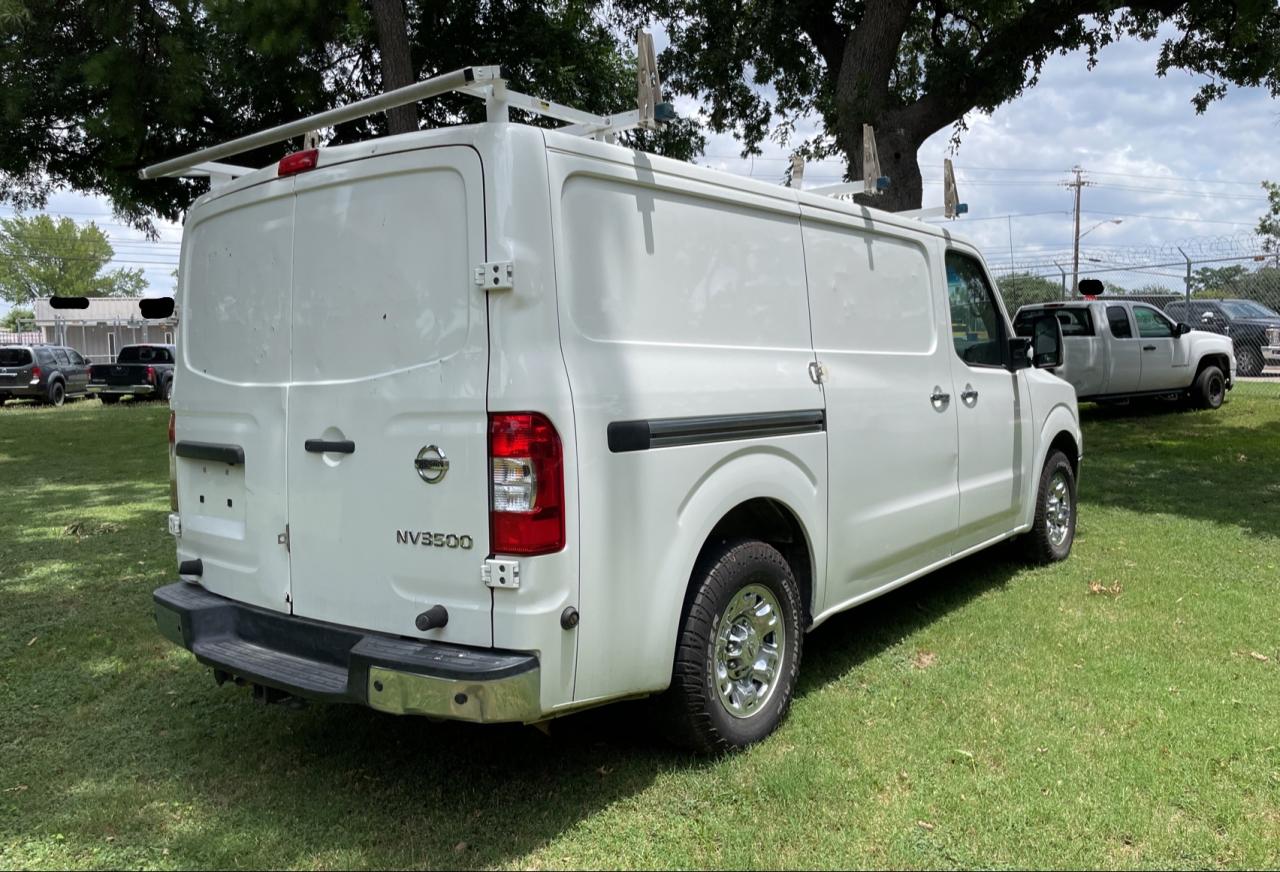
(1254, 329)
(139, 371)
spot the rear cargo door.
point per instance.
(387, 423)
(230, 411)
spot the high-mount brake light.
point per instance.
(526, 509)
(299, 161)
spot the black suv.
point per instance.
(44, 373)
(1254, 329)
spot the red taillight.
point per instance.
(36, 373)
(298, 162)
(526, 496)
(151, 374)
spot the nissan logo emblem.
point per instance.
(431, 464)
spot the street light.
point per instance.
(1075, 248)
(1099, 224)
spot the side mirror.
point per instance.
(1019, 352)
(1182, 329)
(1046, 344)
(1208, 316)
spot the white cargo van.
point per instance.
(494, 423)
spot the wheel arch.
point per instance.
(1212, 358)
(772, 521)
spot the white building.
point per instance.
(101, 330)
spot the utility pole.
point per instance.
(1075, 247)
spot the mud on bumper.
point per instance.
(314, 660)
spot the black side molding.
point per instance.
(669, 432)
(218, 451)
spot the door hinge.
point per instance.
(817, 372)
(500, 573)
(283, 538)
(496, 275)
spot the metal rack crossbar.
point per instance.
(485, 83)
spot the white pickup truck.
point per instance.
(1117, 349)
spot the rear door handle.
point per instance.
(969, 396)
(1148, 348)
(325, 446)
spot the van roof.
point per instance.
(475, 134)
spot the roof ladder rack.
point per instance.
(485, 83)
(951, 206)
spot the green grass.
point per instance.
(989, 715)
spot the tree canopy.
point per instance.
(44, 257)
(913, 67)
(91, 91)
(1269, 223)
(16, 320)
(1022, 288)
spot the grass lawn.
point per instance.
(1119, 709)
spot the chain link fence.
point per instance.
(1235, 294)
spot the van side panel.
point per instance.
(881, 328)
(678, 298)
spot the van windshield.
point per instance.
(14, 357)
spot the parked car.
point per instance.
(139, 371)
(46, 373)
(597, 424)
(1117, 349)
(1254, 329)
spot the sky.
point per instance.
(1169, 176)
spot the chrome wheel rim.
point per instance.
(750, 645)
(1057, 512)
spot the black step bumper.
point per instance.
(327, 662)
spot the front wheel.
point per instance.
(1210, 388)
(738, 652)
(1249, 360)
(1054, 528)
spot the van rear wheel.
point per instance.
(738, 652)
(1054, 527)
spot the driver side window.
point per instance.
(1151, 324)
(977, 328)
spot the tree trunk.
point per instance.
(397, 65)
(897, 146)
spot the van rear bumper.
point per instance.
(327, 662)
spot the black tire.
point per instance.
(57, 393)
(109, 399)
(1248, 361)
(692, 712)
(1209, 389)
(166, 388)
(1043, 543)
